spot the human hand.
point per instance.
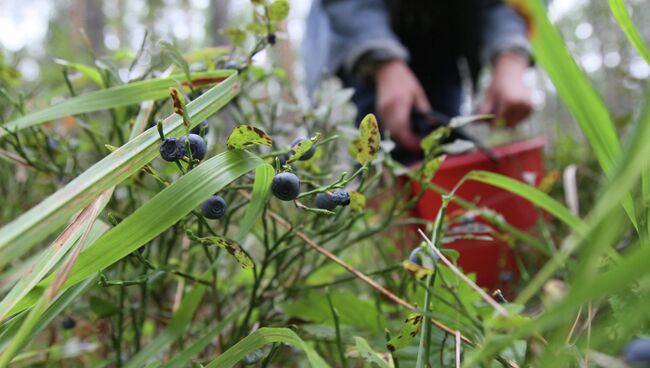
(398, 91)
(508, 97)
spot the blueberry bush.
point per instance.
(201, 215)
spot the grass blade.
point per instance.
(20, 235)
(124, 95)
(625, 22)
(186, 355)
(261, 193)
(161, 212)
(262, 337)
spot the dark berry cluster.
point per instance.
(328, 201)
(174, 149)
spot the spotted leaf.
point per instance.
(301, 148)
(233, 248)
(410, 329)
(357, 201)
(246, 136)
(418, 271)
(369, 139)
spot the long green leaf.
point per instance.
(532, 194)
(181, 359)
(40, 221)
(261, 193)
(262, 337)
(48, 259)
(160, 213)
(625, 21)
(124, 95)
(181, 320)
(575, 90)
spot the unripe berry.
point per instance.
(285, 186)
(214, 207)
(307, 155)
(172, 149)
(197, 146)
(325, 201)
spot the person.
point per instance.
(402, 56)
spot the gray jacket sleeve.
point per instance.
(502, 29)
(359, 27)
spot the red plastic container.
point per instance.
(492, 261)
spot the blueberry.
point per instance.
(172, 149)
(271, 38)
(201, 129)
(285, 186)
(638, 351)
(341, 197)
(214, 207)
(414, 257)
(325, 201)
(68, 323)
(283, 159)
(197, 145)
(307, 155)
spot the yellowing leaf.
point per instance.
(178, 101)
(278, 10)
(431, 167)
(410, 329)
(233, 248)
(245, 136)
(418, 271)
(357, 201)
(369, 139)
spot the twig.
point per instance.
(501, 310)
(385, 292)
(458, 347)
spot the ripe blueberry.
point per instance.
(68, 323)
(201, 129)
(325, 201)
(197, 145)
(285, 186)
(271, 38)
(414, 257)
(307, 155)
(341, 197)
(214, 207)
(638, 351)
(172, 149)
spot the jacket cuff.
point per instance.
(368, 54)
(514, 43)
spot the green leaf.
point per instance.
(88, 71)
(124, 95)
(278, 10)
(181, 320)
(625, 22)
(245, 136)
(235, 35)
(431, 168)
(369, 139)
(262, 337)
(180, 360)
(575, 90)
(410, 329)
(532, 194)
(357, 202)
(102, 308)
(176, 56)
(161, 212)
(233, 248)
(261, 194)
(461, 121)
(382, 360)
(301, 148)
(36, 224)
(433, 139)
